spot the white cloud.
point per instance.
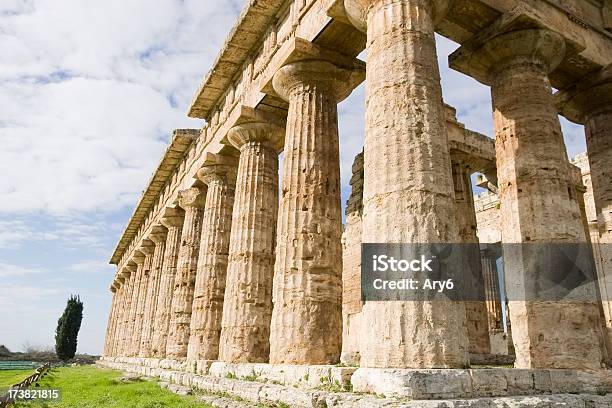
(10, 270)
(89, 93)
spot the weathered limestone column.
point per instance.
(131, 269)
(108, 339)
(219, 174)
(247, 306)
(306, 325)
(192, 201)
(172, 219)
(535, 194)
(147, 248)
(351, 268)
(118, 320)
(590, 103)
(408, 188)
(492, 291)
(138, 258)
(475, 309)
(158, 236)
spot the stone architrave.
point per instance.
(476, 308)
(172, 219)
(147, 247)
(219, 174)
(306, 325)
(536, 192)
(192, 201)
(408, 188)
(247, 306)
(158, 236)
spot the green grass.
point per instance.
(10, 377)
(90, 386)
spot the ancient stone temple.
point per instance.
(233, 269)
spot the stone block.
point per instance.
(488, 383)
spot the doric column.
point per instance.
(351, 268)
(475, 307)
(158, 236)
(192, 201)
(172, 219)
(138, 258)
(490, 275)
(219, 174)
(590, 103)
(117, 320)
(247, 308)
(408, 187)
(306, 326)
(124, 317)
(147, 248)
(111, 321)
(537, 200)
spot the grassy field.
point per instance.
(90, 386)
(10, 377)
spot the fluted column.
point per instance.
(110, 322)
(590, 103)
(247, 306)
(408, 187)
(173, 220)
(147, 248)
(192, 201)
(124, 316)
(538, 206)
(492, 291)
(220, 177)
(475, 307)
(158, 236)
(118, 321)
(306, 326)
(138, 258)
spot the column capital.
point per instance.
(357, 10)
(333, 80)
(147, 247)
(265, 133)
(138, 257)
(172, 217)
(484, 56)
(192, 197)
(158, 234)
(591, 96)
(219, 167)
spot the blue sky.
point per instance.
(89, 94)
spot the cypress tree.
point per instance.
(68, 326)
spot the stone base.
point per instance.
(494, 382)
(252, 392)
(492, 359)
(307, 376)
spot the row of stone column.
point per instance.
(228, 290)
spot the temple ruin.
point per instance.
(227, 268)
